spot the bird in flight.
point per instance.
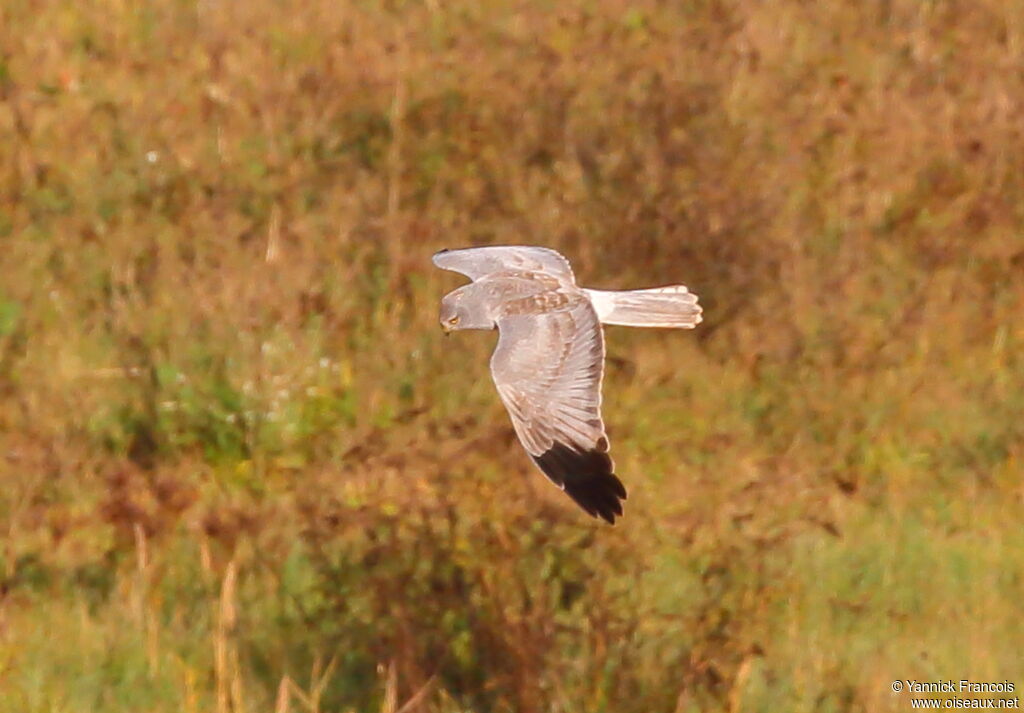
(549, 360)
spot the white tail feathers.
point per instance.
(673, 306)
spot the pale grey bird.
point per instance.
(549, 360)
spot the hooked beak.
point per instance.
(446, 329)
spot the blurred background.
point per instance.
(240, 469)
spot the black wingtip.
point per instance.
(587, 478)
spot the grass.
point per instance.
(241, 470)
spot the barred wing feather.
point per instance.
(548, 369)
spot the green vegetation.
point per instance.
(240, 470)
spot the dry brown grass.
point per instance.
(240, 470)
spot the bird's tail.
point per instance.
(673, 306)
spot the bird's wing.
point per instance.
(475, 263)
(548, 368)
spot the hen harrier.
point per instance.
(550, 355)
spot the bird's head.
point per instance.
(459, 310)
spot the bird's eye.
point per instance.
(454, 320)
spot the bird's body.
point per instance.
(549, 360)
